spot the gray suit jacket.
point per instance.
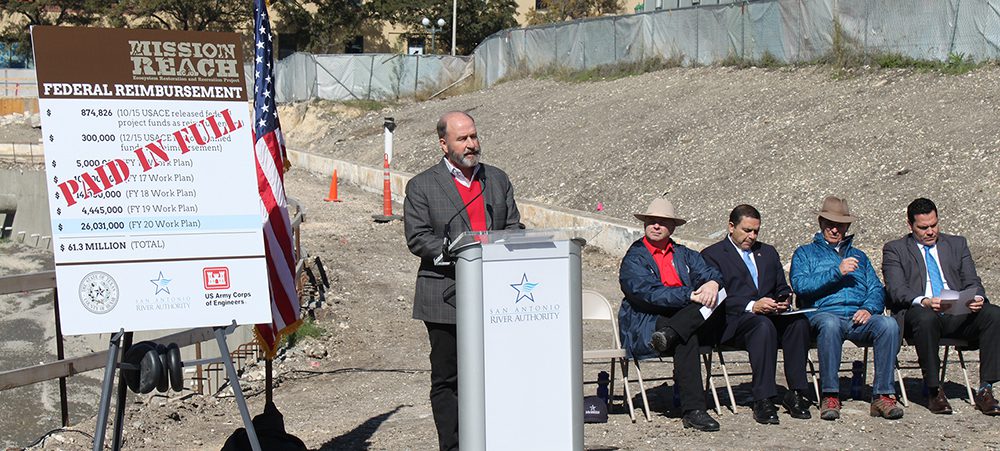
(905, 272)
(431, 202)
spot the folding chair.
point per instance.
(596, 307)
(719, 349)
(947, 343)
(706, 357)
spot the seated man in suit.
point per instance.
(839, 280)
(665, 284)
(756, 294)
(917, 267)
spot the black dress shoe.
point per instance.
(700, 420)
(765, 412)
(938, 404)
(665, 340)
(797, 405)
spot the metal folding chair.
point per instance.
(597, 308)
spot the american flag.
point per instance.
(269, 147)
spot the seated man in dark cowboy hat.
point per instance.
(665, 285)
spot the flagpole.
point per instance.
(454, 14)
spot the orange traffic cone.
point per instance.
(332, 197)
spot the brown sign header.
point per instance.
(111, 63)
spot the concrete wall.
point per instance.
(28, 187)
(610, 234)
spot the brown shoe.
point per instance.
(885, 407)
(986, 403)
(939, 404)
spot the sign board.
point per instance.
(156, 217)
(526, 308)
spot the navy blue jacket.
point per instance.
(646, 297)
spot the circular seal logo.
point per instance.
(98, 292)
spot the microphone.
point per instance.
(447, 226)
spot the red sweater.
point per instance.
(477, 209)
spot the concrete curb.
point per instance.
(22, 152)
(611, 235)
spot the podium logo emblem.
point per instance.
(524, 289)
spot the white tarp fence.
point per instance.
(302, 76)
(789, 30)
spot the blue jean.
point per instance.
(881, 331)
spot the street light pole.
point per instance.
(454, 20)
(432, 30)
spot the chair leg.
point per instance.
(709, 384)
(902, 387)
(965, 373)
(642, 391)
(729, 386)
(611, 385)
(812, 370)
(628, 393)
(944, 364)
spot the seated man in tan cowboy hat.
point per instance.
(838, 279)
(665, 284)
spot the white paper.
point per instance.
(957, 303)
(796, 312)
(706, 312)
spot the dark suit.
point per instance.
(432, 205)
(760, 334)
(905, 270)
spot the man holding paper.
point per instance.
(932, 282)
(757, 316)
(669, 293)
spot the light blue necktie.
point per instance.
(751, 267)
(933, 272)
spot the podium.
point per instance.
(519, 327)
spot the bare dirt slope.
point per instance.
(711, 138)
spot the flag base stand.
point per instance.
(387, 218)
(114, 363)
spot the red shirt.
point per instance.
(664, 259)
(477, 209)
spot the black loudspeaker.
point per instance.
(148, 367)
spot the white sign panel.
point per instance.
(529, 394)
(156, 218)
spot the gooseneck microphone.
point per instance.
(447, 226)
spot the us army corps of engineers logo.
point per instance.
(98, 292)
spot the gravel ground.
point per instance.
(779, 139)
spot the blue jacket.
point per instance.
(646, 297)
(816, 279)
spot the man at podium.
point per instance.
(456, 195)
(665, 285)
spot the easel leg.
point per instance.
(220, 337)
(116, 440)
(109, 379)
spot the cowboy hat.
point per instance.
(835, 209)
(660, 208)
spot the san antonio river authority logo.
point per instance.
(98, 292)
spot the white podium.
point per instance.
(520, 354)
